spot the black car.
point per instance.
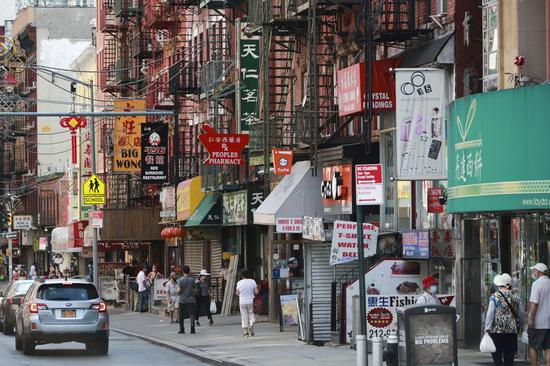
(16, 289)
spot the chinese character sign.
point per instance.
(420, 124)
(249, 54)
(127, 154)
(85, 146)
(351, 89)
(154, 152)
(223, 148)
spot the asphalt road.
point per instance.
(123, 350)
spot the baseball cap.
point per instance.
(428, 281)
(541, 267)
(502, 280)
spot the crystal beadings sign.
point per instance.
(154, 152)
(249, 53)
(127, 154)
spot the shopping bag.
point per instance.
(487, 345)
(213, 307)
(525, 337)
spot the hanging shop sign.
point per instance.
(494, 161)
(369, 189)
(256, 197)
(154, 152)
(43, 243)
(352, 91)
(76, 234)
(96, 218)
(416, 244)
(336, 189)
(93, 191)
(127, 150)
(420, 124)
(344, 241)
(313, 228)
(85, 152)
(249, 72)
(434, 206)
(441, 244)
(235, 208)
(22, 222)
(223, 148)
(282, 161)
(73, 123)
(289, 225)
(168, 202)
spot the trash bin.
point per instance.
(427, 336)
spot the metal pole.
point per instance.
(266, 35)
(95, 256)
(10, 244)
(368, 75)
(362, 287)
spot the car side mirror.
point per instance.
(16, 301)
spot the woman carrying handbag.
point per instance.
(504, 321)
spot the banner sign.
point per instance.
(154, 152)
(368, 184)
(336, 189)
(127, 154)
(22, 222)
(76, 234)
(416, 244)
(433, 200)
(344, 241)
(313, 228)
(43, 243)
(249, 53)
(289, 225)
(441, 244)
(282, 161)
(420, 124)
(223, 148)
(235, 208)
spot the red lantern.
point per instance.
(163, 233)
(173, 232)
(181, 232)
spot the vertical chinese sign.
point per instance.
(85, 166)
(249, 53)
(127, 155)
(154, 152)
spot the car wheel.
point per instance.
(8, 328)
(98, 347)
(18, 343)
(28, 346)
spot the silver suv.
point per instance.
(57, 311)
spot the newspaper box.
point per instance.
(427, 335)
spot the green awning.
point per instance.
(208, 212)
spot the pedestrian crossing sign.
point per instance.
(93, 191)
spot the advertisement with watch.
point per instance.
(336, 189)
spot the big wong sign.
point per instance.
(223, 148)
(498, 142)
(127, 154)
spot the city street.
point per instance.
(124, 350)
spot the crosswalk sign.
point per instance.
(93, 191)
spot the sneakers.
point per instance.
(197, 323)
(192, 330)
(211, 322)
(181, 331)
(251, 331)
(245, 335)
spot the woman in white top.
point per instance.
(172, 296)
(247, 289)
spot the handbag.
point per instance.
(512, 310)
(487, 345)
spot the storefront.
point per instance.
(499, 191)
(64, 252)
(172, 255)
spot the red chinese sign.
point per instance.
(73, 123)
(76, 234)
(441, 244)
(223, 148)
(282, 161)
(434, 206)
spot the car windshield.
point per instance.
(22, 287)
(67, 292)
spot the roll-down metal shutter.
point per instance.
(193, 255)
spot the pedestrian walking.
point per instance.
(204, 298)
(186, 298)
(428, 296)
(539, 314)
(32, 271)
(504, 320)
(247, 289)
(172, 296)
(143, 289)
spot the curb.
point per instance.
(186, 350)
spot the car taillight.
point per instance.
(34, 308)
(101, 307)
(10, 301)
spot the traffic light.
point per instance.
(9, 220)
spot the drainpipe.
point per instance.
(547, 39)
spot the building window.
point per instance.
(490, 45)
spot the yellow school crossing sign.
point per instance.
(93, 191)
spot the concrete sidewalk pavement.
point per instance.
(223, 344)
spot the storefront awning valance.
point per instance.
(189, 196)
(297, 195)
(208, 213)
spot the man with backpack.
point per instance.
(186, 297)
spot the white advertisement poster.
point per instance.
(344, 241)
(160, 292)
(313, 229)
(420, 124)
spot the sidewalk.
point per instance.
(223, 344)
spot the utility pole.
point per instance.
(95, 254)
(10, 206)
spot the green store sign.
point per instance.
(498, 151)
(249, 54)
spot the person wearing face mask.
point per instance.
(539, 314)
(428, 296)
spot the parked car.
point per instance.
(16, 289)
(62, 310)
